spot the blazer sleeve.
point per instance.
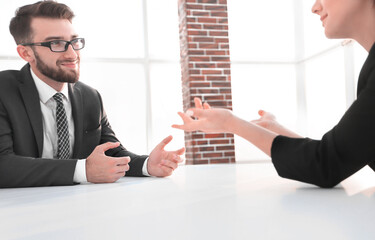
(344, 150)
(23, 171)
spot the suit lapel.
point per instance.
(30, 98)
(77, 111)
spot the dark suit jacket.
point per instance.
(21, 133)
(342, 151)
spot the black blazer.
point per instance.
(21, 133)
(342, 151)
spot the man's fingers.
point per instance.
(164, 142)
(122, 160)
(169, 164)
(167, 170)
(122, 168)
(108, 145)
(180, 151)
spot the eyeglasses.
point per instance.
(60, 45)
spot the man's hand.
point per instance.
(161, 163)
(103, 169)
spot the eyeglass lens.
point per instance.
(61, 46)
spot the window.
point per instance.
(283, 63)
(138, 74)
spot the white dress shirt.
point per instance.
(48, 107)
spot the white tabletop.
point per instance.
(230, 201)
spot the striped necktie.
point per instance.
(63, 150)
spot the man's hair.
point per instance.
(20, 25)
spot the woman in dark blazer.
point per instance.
(342, 151)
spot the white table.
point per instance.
(230, 201)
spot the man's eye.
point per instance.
(57, 43)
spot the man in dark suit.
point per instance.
(53, 129)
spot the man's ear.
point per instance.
(25, 53)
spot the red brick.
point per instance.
(207, 1)
(224, 141)
(204, 142)
(215, 8)
(219, 14)
(207, 149)
(221, 40)
(221, 20)
(199, 59)
(221, 84)
(212, 155)
(205, 65)
(207, 91)
(215, 26)
(193, 45)
(200, 14)
(191, 19)
(223, 65)
(194, 26)
(209, 72)
(228, 154)
(199, 84)
(214, 135)
(206, 20)
(223, 148)
(195, 52)
(228, 97)
(218, 161)
(208, 46)
(196, 78)
(217, 78)
(219, 53)
(224, 46)
(203, 39)
(194, 6)
(197, 33)
(220, 59)
(219, 34)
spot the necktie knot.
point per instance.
(58, 97)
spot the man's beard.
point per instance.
(59, 74)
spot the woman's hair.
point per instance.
(20, 25)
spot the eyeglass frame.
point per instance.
(48, 44)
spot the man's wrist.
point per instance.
(80, 172)
(145, 169)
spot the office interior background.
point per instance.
(280, 62)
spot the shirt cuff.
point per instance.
(144, 168)
(80, 172)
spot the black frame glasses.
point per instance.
(60, 45)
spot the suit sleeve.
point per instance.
(22, 171)
(344, 150)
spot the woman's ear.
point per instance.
(25, 53)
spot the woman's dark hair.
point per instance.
(20, 25)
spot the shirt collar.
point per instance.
(45, 91)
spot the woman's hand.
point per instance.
(267, 120)
(207, 119)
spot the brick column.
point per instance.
(205, 68)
